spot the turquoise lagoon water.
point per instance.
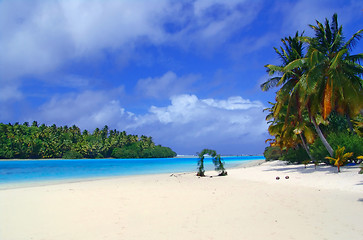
(13, 172)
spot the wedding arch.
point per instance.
(217, 161)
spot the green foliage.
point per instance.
(160, 151)
(352, 143)
(297, 155)
(124, 153)
(72, 155)
(357, 123)
(318, 79)
(24, 142)
(133, 151)
(219, 165)
(318, 151)
(272, 153)
(337, 123)
(340, 157)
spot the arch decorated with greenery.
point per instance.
(217, 161)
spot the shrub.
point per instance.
(124, 153)
(319, 152)
(352, 143)
(272, 153)
(72, 155)
(298, 155)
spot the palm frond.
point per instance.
(270, 83)
(295, 64)
(337, 59)
(357, 58)
(352, 42)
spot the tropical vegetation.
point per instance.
(340, 157)
(319, 103)
(24, 141)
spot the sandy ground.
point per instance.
(249, 203)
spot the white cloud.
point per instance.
(39, 38)
(234, 125)
(165, 86)
(232, 103)
(88, 109)
(208, 24)
(188, 124)
(94, 25)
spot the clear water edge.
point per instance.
(19, 173)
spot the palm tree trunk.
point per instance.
(322, 138)
(306, 147)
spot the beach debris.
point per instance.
(277, 178)
(287, 177)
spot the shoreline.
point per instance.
(249, 203)
(38, 183)
(178, 156)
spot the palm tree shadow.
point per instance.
(301, 169)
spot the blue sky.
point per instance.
(186, 73)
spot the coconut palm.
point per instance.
(287, 111)
(292, 49)
(289, 130)
(286, 119)
(332, 80)
(340, 157)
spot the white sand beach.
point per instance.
(249, 203)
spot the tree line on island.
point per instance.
(24, 141)
(317, 113)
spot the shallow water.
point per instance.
(12, 172)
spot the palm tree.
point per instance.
(340, 157)
(291, 50)
(289, 131)
(287, 122)
(332, 79)
(104, 132)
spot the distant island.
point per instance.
(24, 141)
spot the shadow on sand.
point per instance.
(309, 169)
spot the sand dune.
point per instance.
(247, 204)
